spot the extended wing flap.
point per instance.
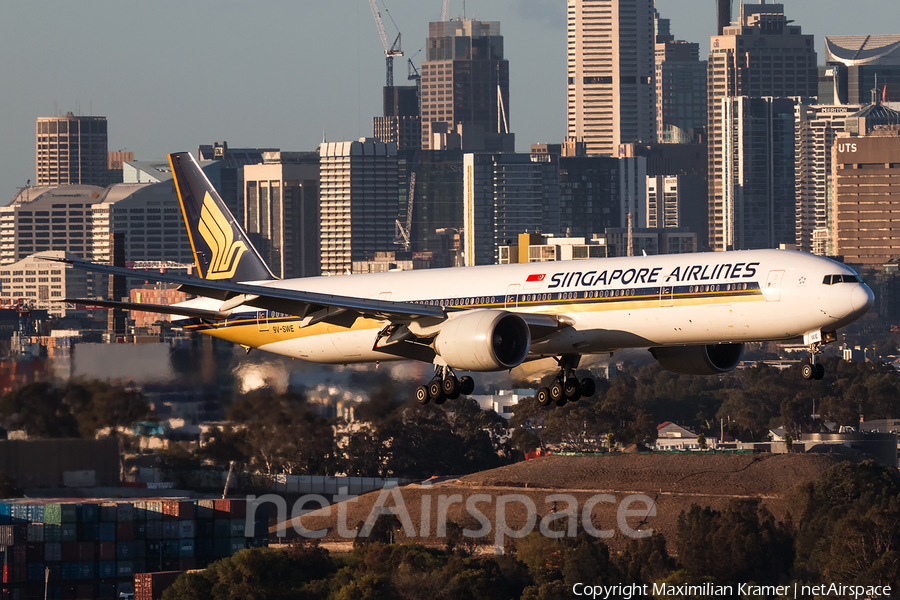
(270, 297)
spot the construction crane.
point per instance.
(390, 51)
(401, 232)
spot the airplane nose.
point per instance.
(862, 298)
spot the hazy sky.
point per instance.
(171, 75)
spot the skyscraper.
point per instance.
(680, 91)
(759, 56)
(281, 214)
(358, 200)
(465, 79)
(611, 96)
(70, 150)
(856, 64)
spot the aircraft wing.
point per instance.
(312, 307)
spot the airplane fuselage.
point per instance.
(607, 304)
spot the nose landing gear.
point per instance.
(566, 387)
(444, 386)
(810, 369)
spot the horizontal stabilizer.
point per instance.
(183, 311)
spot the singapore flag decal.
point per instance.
(535, 281)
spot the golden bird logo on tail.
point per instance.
(219, 236)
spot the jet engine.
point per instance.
(710, 359)
(484, 340)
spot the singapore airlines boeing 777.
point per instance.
(693, 311)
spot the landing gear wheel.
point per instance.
(440, 399)
(561, 402)
(543, 397)
(466, 385)
(556, 392)
(588, 387)
(422, 395)
(450, 387)
(820, 371)
(808, 370)
(572, 389)
(435, 392)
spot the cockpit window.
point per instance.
(833, 279)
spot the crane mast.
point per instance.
(390, 51)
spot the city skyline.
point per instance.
(274, 76)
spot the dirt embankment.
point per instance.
(617, 494)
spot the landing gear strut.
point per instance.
(810, 368)
(566, 387)
(444, 386)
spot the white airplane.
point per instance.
(693, 311)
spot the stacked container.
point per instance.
(98, 548)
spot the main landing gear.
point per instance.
(444, 385)
(566, 387)
(810, 369)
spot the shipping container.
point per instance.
(125, 512)
(107, 532)
(90, 532)
(11, 534)
(140, 530)
(150, 586)
(154, 530)
(222, 528)
(52, 552)
(154, 509)
(87, 570)
(34, 551)
(124, 531)
(35, 571)
(108, 512)
(238, 527)
(35, 532)
(52, 532)
(124, 568)
(204, 547)
(68, 532)
(206, 509)
(106, 551)
(186, 547)
(231, 508)
(106, 569)
(205, 528)
(125, 551)
(238, 544)
(170, 530)
(68, 551)
(186, 529)
(86, 591)
(87, 551)
(90, 512)
(171, 548)
(179, 509)
(107, 590)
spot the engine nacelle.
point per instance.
(484, 340)
(709, 359)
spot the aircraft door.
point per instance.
(512, 296)
(666, 294)
(262, 320)
(772, 291)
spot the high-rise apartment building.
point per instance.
(465, 79)
(281, 212)
(401, 123)
(680, 91)
(761, 55)
(48, 218)
(358, 202)
(867, 197)
(611, 96)
(757, 172)
(71, 150)
(504, 195)
(816, 126)
(856, 64)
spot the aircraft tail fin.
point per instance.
(221, 248)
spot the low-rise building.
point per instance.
(40, 284)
